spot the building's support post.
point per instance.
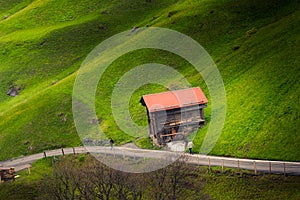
(151, 123)
(202, 113)
(222, 165)
(154, 126)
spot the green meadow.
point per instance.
(255, 45)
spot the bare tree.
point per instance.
(64, 183)
(177, 173)
(90, 179)
(102, 178)
(137, 184)
(158, 184)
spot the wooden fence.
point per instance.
(257, 166)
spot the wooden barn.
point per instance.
(173, 115)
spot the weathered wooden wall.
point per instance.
(175, 124)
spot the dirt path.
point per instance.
(277, 167)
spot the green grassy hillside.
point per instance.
(255, 45)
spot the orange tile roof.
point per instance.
(174, 99)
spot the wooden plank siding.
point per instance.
(174, 122)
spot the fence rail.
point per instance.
(264, 166)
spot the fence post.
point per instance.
(270, 167)
(74, 151)
(28, 169)
(254, 163)
(238, 162)
(284, 168)
(222, 165)
(45, 154)
(63, 152)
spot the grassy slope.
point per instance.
(44, 42)
(26, 186)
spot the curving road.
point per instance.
(265, 166)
